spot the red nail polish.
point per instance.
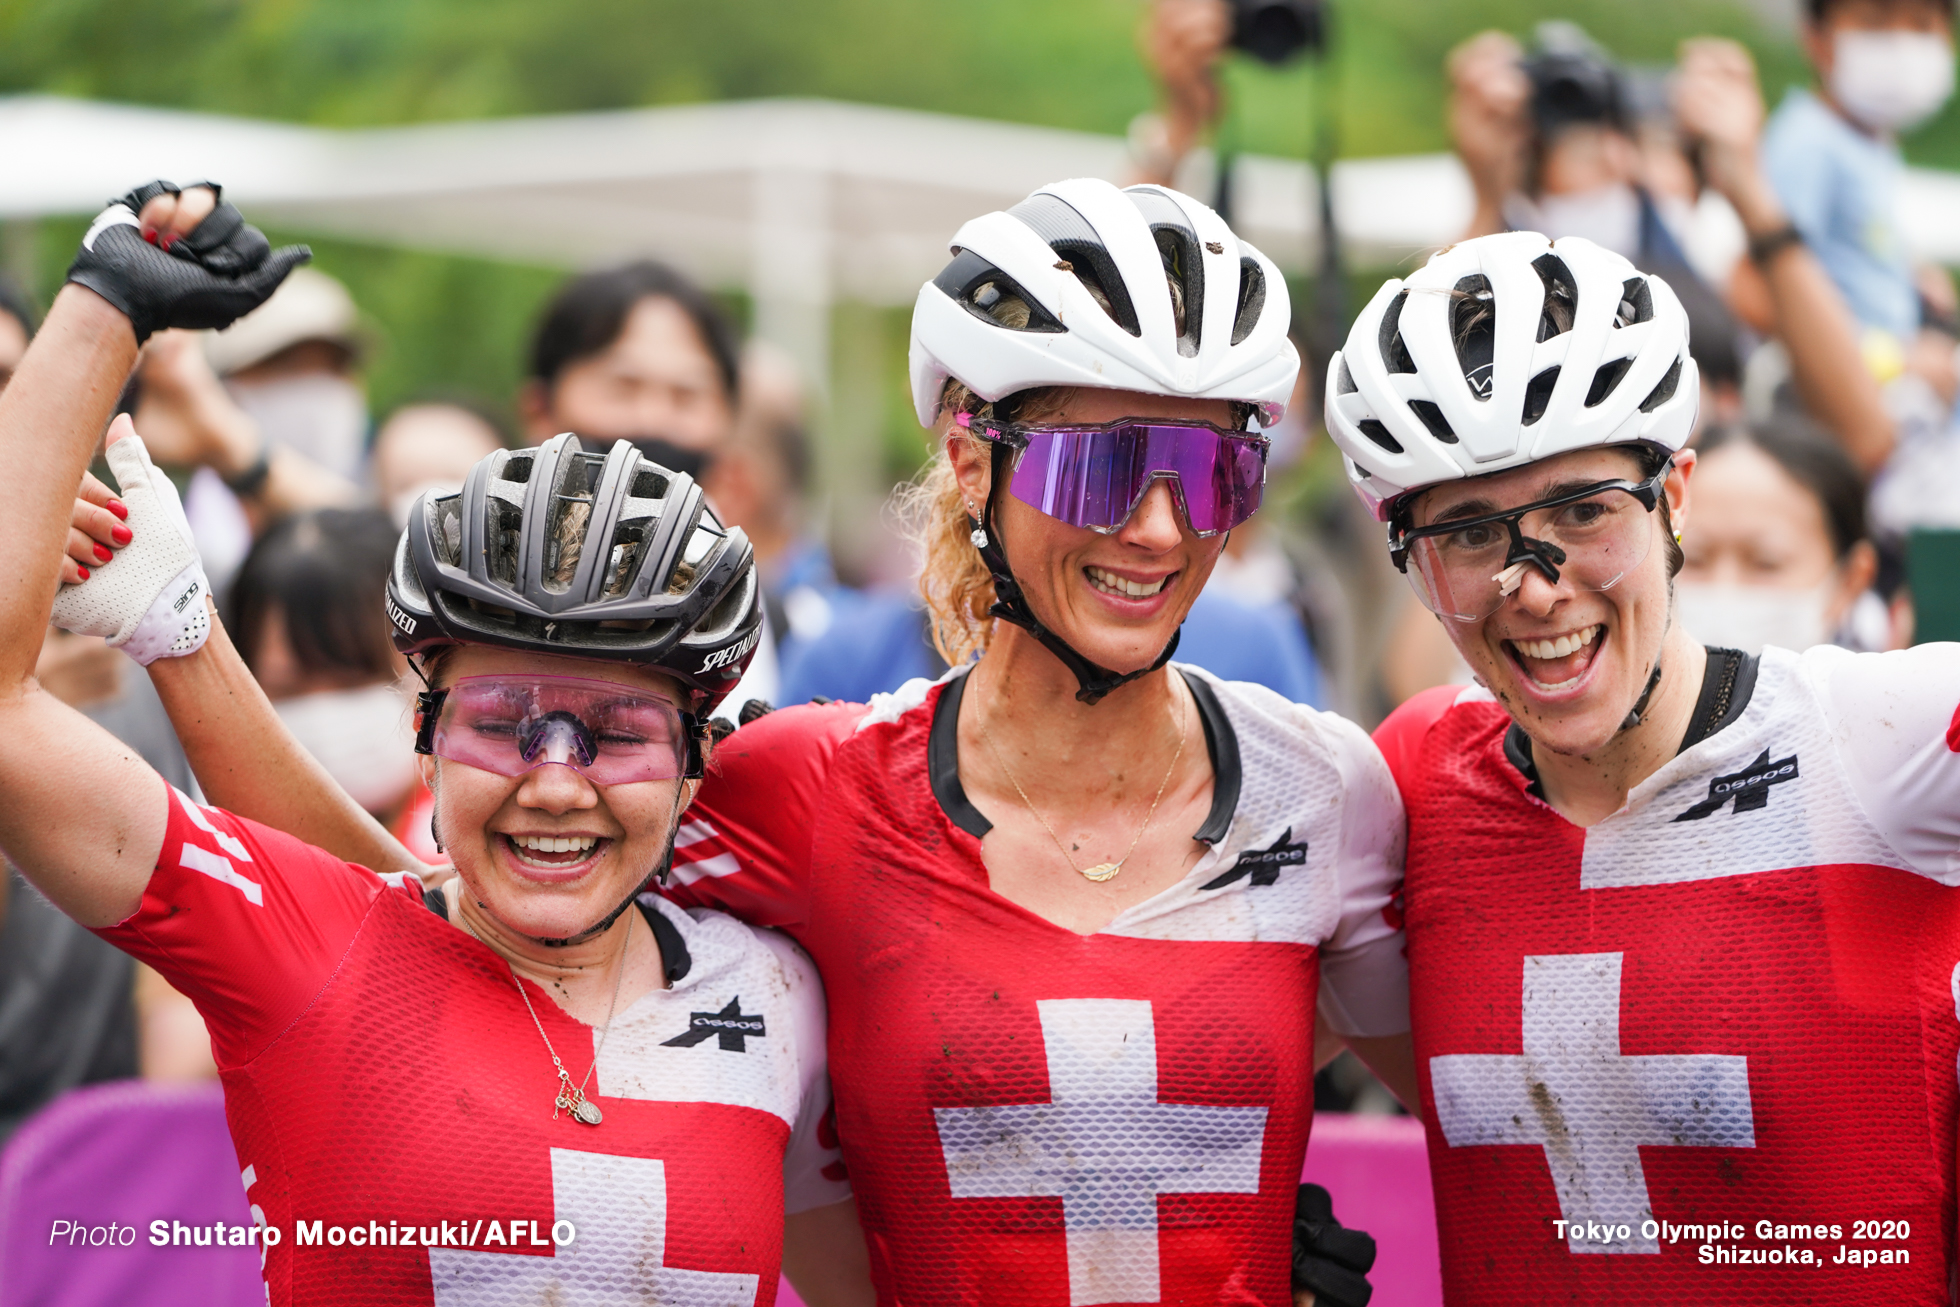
(119, 508)
(150, 236)
(82, 570)
(122, 535)
(102, 554)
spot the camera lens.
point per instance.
(1274, 31)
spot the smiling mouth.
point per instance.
(1558, 662)
(554, 852)
(1111, 584)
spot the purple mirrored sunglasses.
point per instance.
(1095, 476)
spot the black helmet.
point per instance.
(509, 562)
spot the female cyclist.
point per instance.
(1076, 905)
(1682, 937)
(517, 1087)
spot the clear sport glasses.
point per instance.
(1095, 476)
(1591, 537)
(609, 733)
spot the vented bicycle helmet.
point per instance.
(1502, 351)
(1085, 284)
(561, 551)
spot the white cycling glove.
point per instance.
(150, 600)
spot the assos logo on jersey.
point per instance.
(731, 1025)
(1749, 787)
(1263, 864)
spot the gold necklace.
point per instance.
(1102, 871)
(571, 1098)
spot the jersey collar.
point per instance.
(1221, 744)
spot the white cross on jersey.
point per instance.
(1591, 1109)
(619, 1207)
(1104, 1145)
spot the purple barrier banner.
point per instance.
(103, 1195)
(1377, 1169)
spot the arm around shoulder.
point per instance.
(744, 843)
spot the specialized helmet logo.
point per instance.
(733, 653)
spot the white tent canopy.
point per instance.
(799, 202)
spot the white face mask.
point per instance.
(321, 416)
(1605, 215)
(1748, 617)
(363, 737)
(1891, 81)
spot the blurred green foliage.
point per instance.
(452, 324)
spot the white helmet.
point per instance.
(1583, 350)
(1083, 284)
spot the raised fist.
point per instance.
(179, 257)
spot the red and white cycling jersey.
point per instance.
(1037, 1117)
(1730, 1002)
(382, 1076)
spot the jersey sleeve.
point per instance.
(1896, 720)
(246, 921)
(744, 845)
(1364, 971)
(813, 1164)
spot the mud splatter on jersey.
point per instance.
(1037, 1117)
(1732, 1001)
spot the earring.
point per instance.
(979, 534)
(1677, 537)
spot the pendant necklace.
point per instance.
(571, 1097)
(1102, 871)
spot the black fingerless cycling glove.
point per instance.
(1329, 1259)
(222, 270)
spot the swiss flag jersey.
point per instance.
(382, 1076)
(1730, 1002)
(1037, 1117)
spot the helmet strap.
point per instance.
(1639, 710)
(1011, 605)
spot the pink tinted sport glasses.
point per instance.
(611, 734)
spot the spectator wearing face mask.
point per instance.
(1777, 552)
(1883, 67)
(265, 418)
(294, 366)
(317, 642)
(638, 353)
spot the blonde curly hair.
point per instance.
(958, 589)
